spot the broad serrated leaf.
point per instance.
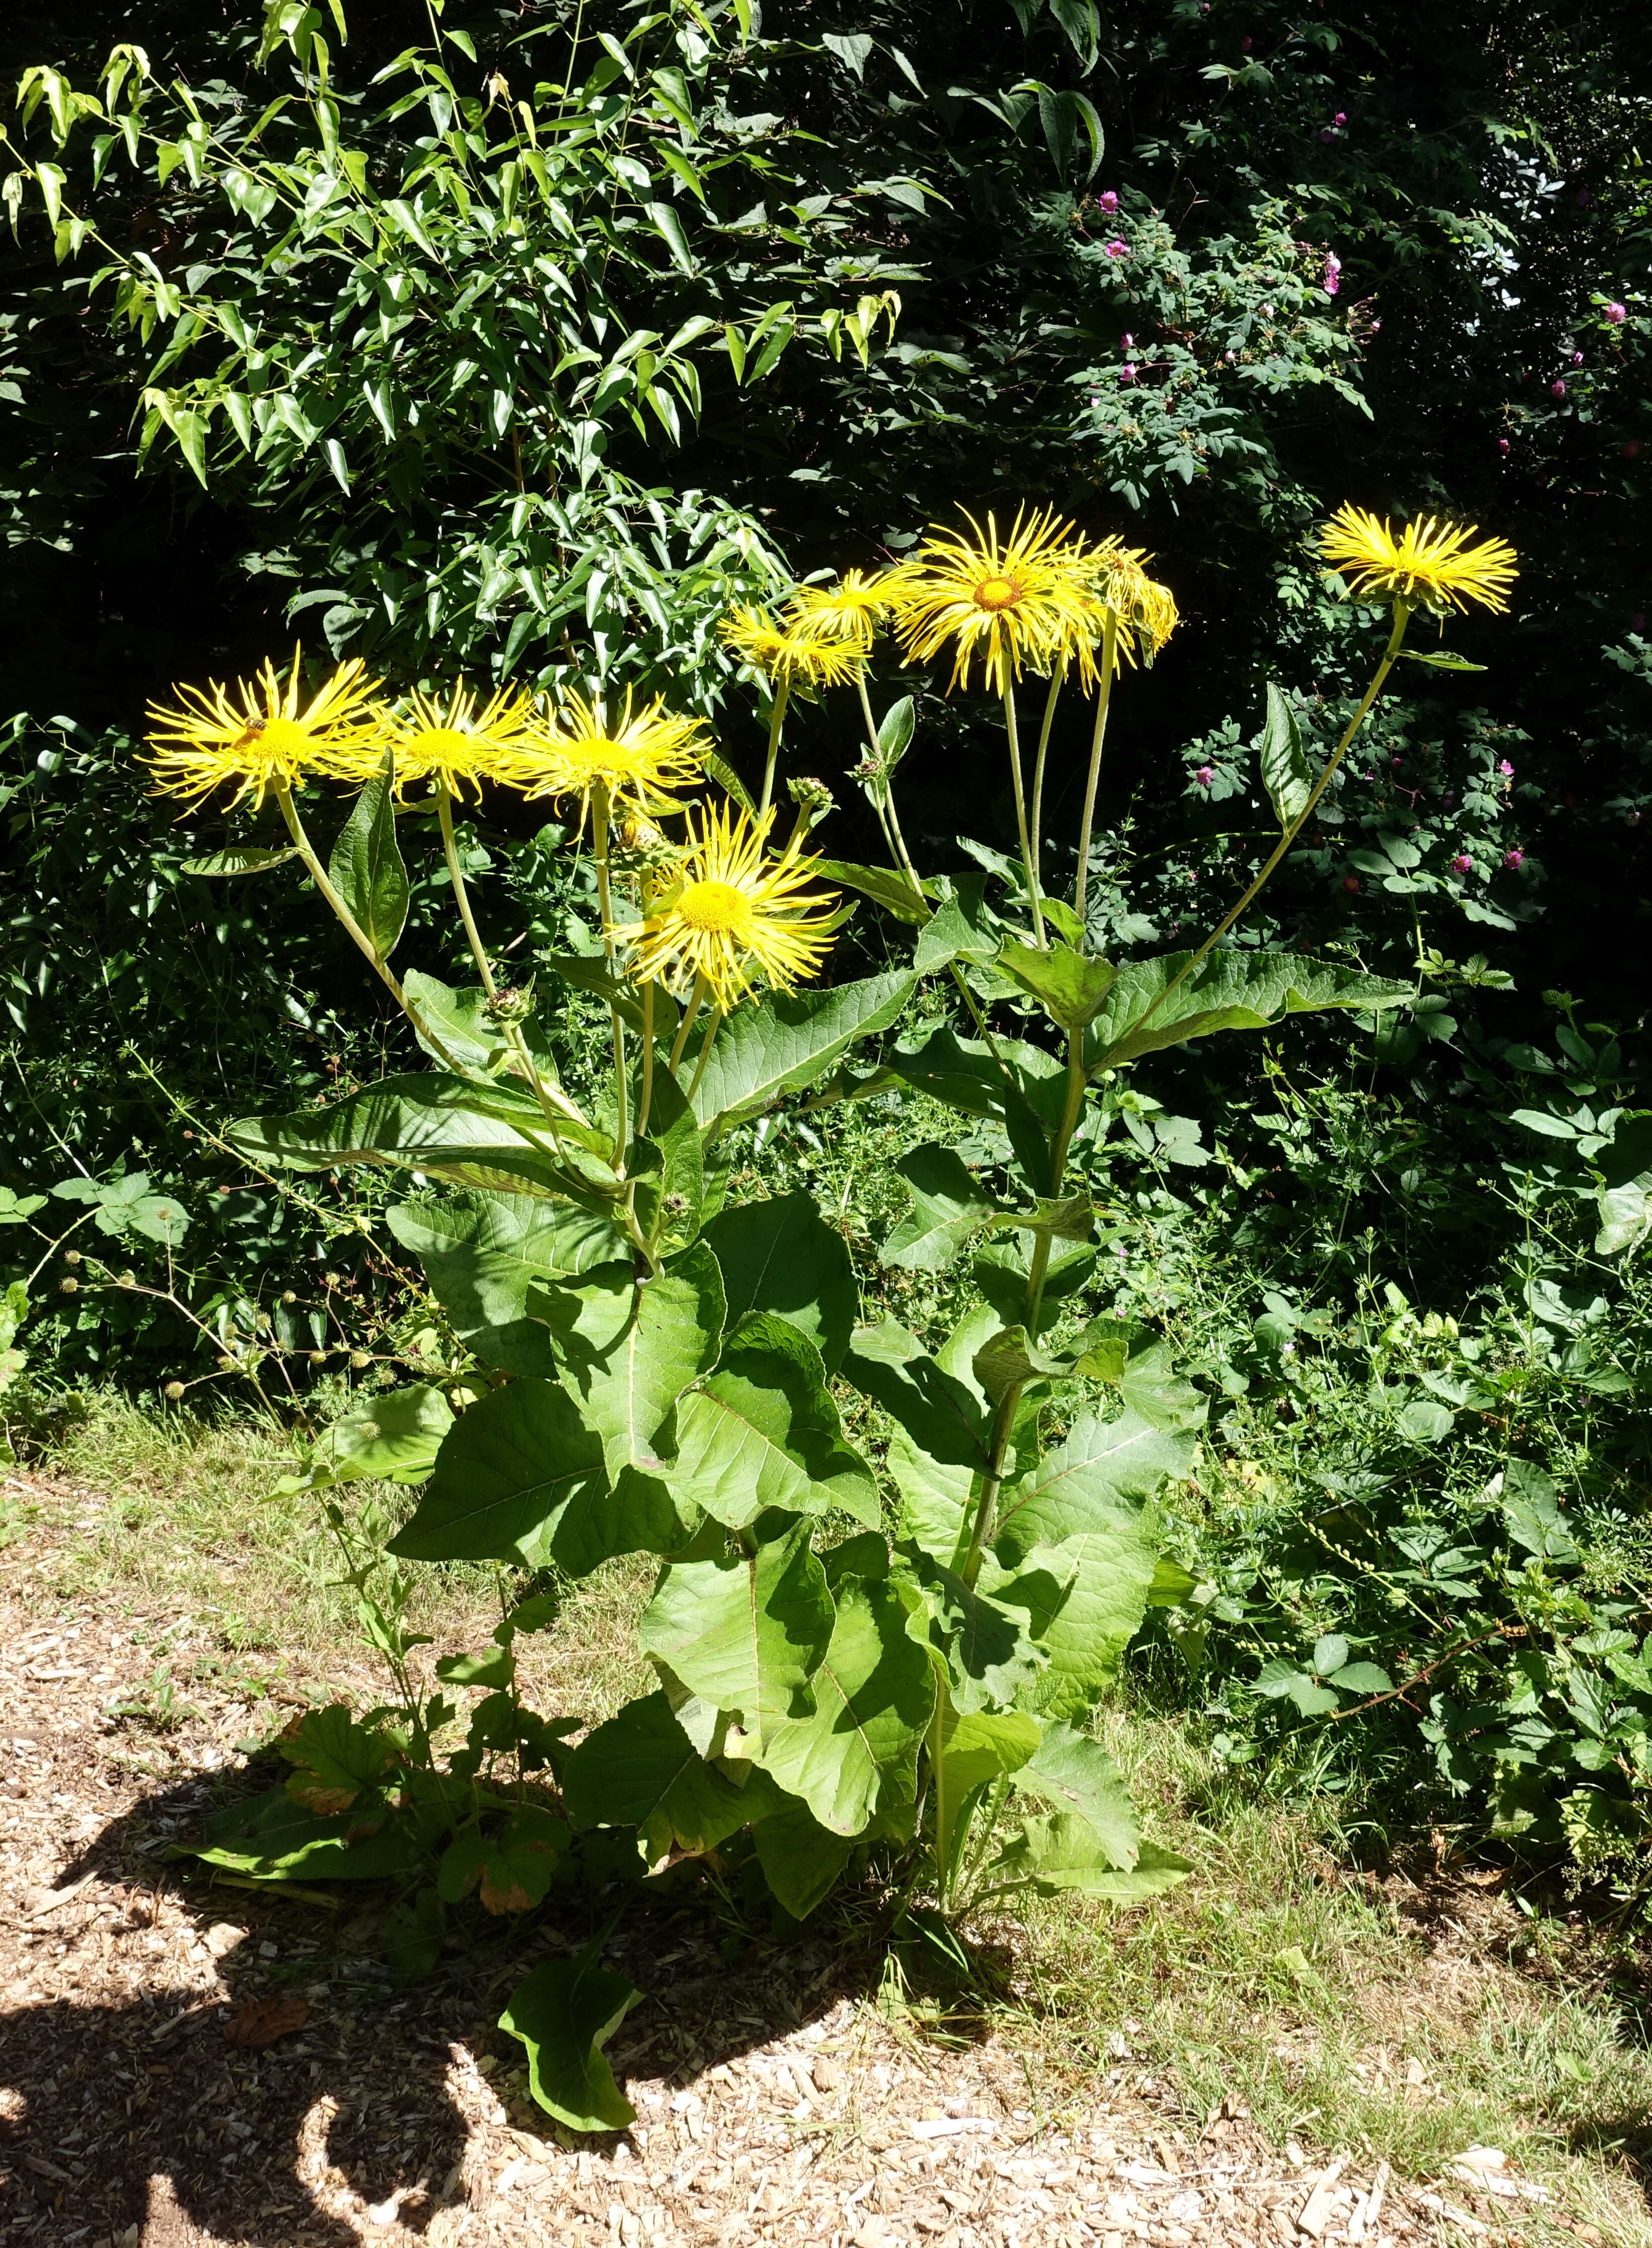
(507, 1474)
(963, 926)
(564, 2012)
(785, 1041)
(366, 867)
(745, 1633)
(641, 1770)
(949, 1207)
(631, 1347)
(801, 1860)
(1228, 991)
(762, 1432)
(1071, 986)
(781, 1256)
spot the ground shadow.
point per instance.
(143, 2114)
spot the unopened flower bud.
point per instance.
(811, 796)
(70, 1286)
(509, 1004)
(287, 1296)
(228, 1365)
(358, 1359)
(317, 1357)
(638, 834)
(174, 1390)
(127, 1280)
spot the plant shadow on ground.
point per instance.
(360, 2112)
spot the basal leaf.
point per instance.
(801, 1860)
(874, 1692)
(564, 2012)
(641, 1770)
(507, 1472)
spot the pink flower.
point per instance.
(1245, 45)
(1332, 280)
(1205, 775)
(1630, 449)
(1557, 388)
(1502, 444)
(1127, 372)
(1617, 314)
(1462, 864)
(1117, 249)
(1108, 202)
(1513, 860)
(1341, 117)
(1577, 359)
(1350, 883)
(1505, 769)
(1127, 344)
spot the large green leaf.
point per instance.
(800, 1859)
(1287, 774)
(987, 1645)
(564, 2012)
(949, 1207)
(874, 1693)
(489, 1137)
(1074, 1774)
(1085, 1510)
(963, 926)
(507, 1472)
(275, 1838)
(668, 1165)
(1625, 1197)
(366, 868)
(745, 1633)
(763, 1431)
(630, 1348)
(1063, 1853)
(940, 1445)
(785, 1041)
(1230, 991)
(454, 1027)
(1070, 986)
(781, 1256)
(1227, 991)
(1003, 1082)
(482, 1253)
(641, 1770)
(393, 1436)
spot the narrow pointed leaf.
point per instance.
(1287, 774)
(366, 867)
(1228, 992)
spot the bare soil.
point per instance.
(777, 2101)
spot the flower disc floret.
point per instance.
(1008, 602)
(634, 760)
(259, 735)
(793, 652)
(1429, 566)
(734, 912)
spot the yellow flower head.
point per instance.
(259, 736)
(1430, 564)
(1144, 611)
(792, 652)
(1026, 599)
(733, 913)
(850, 610)
(635, 759)
(450, 744)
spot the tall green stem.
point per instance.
(605, 906)
(776, 720)
(1050, 700)
(712, 1028)
(1013, 731)
(696, 1000)
(1104, 696)
(645, 1098)
(1402, 618)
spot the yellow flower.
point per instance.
(790, 652)
(850, 610)
(1026, 599)
(731, 910)
(1430, 564)
(260, 736)
(1144, 611)
(451, 743)
(635, 759)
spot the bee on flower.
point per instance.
(262, 736)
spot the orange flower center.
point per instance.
(999, 593)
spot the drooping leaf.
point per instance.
(493, 1137)
(1625, 1197)
(874, 1692)
(1074, 1774)
(746, 1631)
(245, 859)
(987, 1645)
(801, 1860)
(967, 1075)
(883, 885)
(366, 867)
(762, 1432)
(940, 1440)
(564, 2011)
(634, 1346)
(641, 1770)
(483, 1253)
(948, 1209)
(1071, 987)
(786, 1041)
(506, 1475)
(1227, 991)
(781, 1256)
(1062, 1853)
(1287, 774)
(392, 1437)
(963, 927)
(275, 1838)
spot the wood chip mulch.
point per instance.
(185, 2063)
